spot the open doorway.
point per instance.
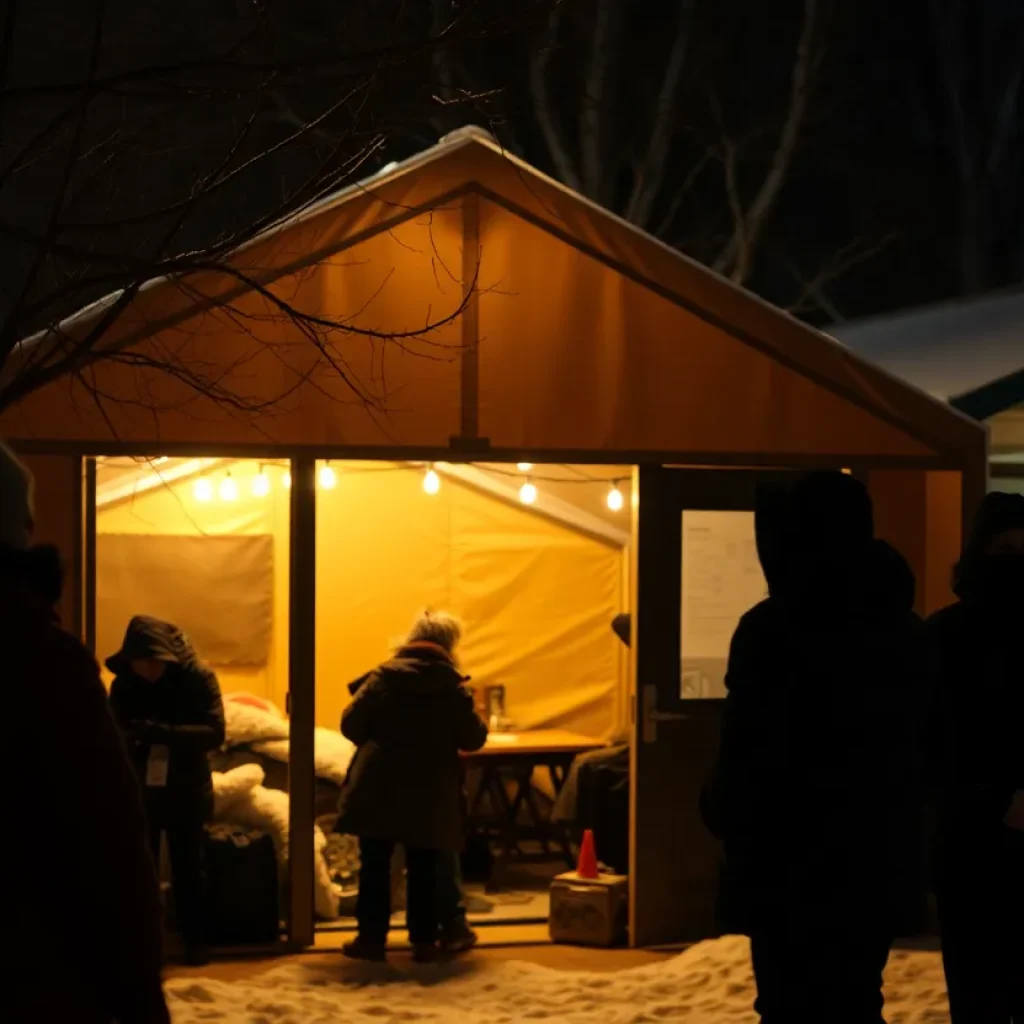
(533, 561)
(202, 544)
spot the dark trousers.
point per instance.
(980, 899)
(182, 820)
(831, 976)
(373, 904)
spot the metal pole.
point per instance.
(87, 622)
(302, 698)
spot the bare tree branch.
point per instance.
(813, 292)
(8, 335)
(648, 181)
(681, 191)
(736, 258)
(165, 169)
(595, 101)
(543, 111)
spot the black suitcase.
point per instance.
(243, 886)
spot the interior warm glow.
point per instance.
(528, 493)
(228, 489)
(286, 479)
(261, 484)
(524, 467)
(431, 482)
(203, 490)
(615, 499)
(328, 478)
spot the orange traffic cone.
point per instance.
(586, 866)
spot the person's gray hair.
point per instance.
(439, 628)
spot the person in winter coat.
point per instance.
(455, 934)
(74, 803)
(169, 707)
(818, 791)
(409, 721)
(979, 752)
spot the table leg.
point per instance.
(559, 773)
(505, 815)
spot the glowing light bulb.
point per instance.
(528, 493)
(228, 489)
(286, 479)
(615, 500)
(261, 484)
(203, 490)
(524, 467)
(328, 478)
(431, 481)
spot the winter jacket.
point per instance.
(82, 897)
(182, 710)
(977, 741)
(409, 720)
(818, 791)
(976, 746)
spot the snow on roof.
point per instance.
(948, 350)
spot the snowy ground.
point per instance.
(710, 983)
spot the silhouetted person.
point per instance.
(595, 795)
(409, 720)
(454, 931)
(979, 743)
(816, 794)
(82, 910)
(169, 707)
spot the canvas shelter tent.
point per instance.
(969, 353)
(559, 334)
(536, 592)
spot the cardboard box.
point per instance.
(588, 911)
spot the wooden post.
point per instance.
(975, 485)
(88, 579)
(469, 421)
(302, 699)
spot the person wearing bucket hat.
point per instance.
(979, 760)
(105, 966)
(169, 707)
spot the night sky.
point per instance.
(902, 187)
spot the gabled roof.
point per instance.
(969, 352)
(593, 336)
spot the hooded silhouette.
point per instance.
(817, 790)
(181, 715)
(979, 761)
(70, 777)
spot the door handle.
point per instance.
(651, 716)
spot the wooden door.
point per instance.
(695, 572)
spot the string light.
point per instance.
(203, 490)
(261, 483)
(228, 489)
(328, 478)
(615, 500)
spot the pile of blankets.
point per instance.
(240, 797)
